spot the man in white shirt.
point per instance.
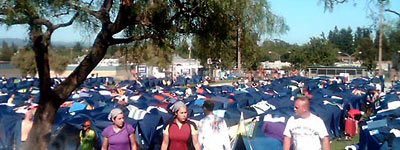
(306, 130)
(213, 132)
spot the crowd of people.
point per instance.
(153, 114)
(304, 129)
(180, 134)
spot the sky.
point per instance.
(305, 18)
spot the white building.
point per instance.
(275, 65)
(183, 66)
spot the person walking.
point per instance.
(87, 137)
(305, 129)
(394, 79)
(119, 135)
(181, 133)
(188, 91)
(213, 132)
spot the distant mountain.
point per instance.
(66, 44)
(16, 41)
(22, 42)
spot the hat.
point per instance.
(177, 105)
(114, 112)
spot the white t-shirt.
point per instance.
(306, 133)
(188, 92)
(213, 133)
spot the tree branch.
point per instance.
(392, 11)
(186, 13)
(340, 1)
(180, 4)
(3, 10)
(131, 39)
(124, 17)
(78, 76)
(67, 23)
(107, 5)
(96, 14)
(45, 22)
(15, 21)
(61, 14)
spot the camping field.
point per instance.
(341, 144)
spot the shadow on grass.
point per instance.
(340, 145)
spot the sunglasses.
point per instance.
(85, 125)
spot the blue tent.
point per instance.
(10, 128)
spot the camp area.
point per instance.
(199, 74)
(255, 114)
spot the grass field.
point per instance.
(340, 145)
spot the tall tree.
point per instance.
(139, 20)
(146, 53)
(77, 47)
(6, 52)
(319, 51)
(334, 36)
(342, 39)
(248, 19)
(58, 63)
(329, 4)
(24, 60)
(369, 53)
(14, 47)
(346, 41)
(215, 49)
(250, 51)
(386, 53)
(359, 34)
(275, 49)
(183, 49)
(394, 43)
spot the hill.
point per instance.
(23, 42)
(16, 41)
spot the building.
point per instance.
(330, 71)
(275, 64)
(346, 61)
(181, 66)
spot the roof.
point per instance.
(336, 67)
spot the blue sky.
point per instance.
(306, 19)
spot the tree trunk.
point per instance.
(44, 117)
(50, 100)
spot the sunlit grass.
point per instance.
(340, 145)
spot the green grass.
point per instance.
(340, 145)
(221, 81)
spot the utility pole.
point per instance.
(380, 35)
(190, 51)
(239, 57)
